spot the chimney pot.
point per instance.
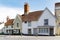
(7, 18)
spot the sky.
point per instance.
(13, 7)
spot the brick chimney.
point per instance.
(26, 8)
(7, 18)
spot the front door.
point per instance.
(12, 31)
(51, 31)
(35, 31)
(19, 31)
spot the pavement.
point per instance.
(12, 37)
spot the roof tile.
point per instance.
(9, 22)
(32, 16)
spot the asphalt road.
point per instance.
(9, 37)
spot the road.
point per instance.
(6, 37)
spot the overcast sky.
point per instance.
(13, 7)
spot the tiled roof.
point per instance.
(9, 22)
(32, 16)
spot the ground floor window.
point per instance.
(16, 31)
(29, 31)
(13, 31)
(43, 30)
(7, 31)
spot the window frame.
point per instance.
(17, 24)
(29, 23)
(7, 31)
(45, 21)
(11, 26)
(43, 30)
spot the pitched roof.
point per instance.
(9, 22)
(32, 16)
(57, 4)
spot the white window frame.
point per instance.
(29, 23)
(43, 30)
(45, 21)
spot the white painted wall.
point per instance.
(34, 24)
(46, 15)
(17, 20)
(7, 28)
(25, 27)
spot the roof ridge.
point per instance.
(37, 11)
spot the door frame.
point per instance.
(51, 31)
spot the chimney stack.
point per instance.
(7, 18)
(26, 8)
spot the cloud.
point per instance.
(11, 12)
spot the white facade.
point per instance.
(40, 23)
(19, 21)
(35, 27)
(13, 28)
(17, 24)
(7, 28)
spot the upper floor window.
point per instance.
(17, 24)
(11, 26)
(45, 21)
(6, 26)
(29, 23)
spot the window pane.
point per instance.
(40, 30)
(46, 30)
(43, 30)
(29, 23)
(17, 24)
(45, 21)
